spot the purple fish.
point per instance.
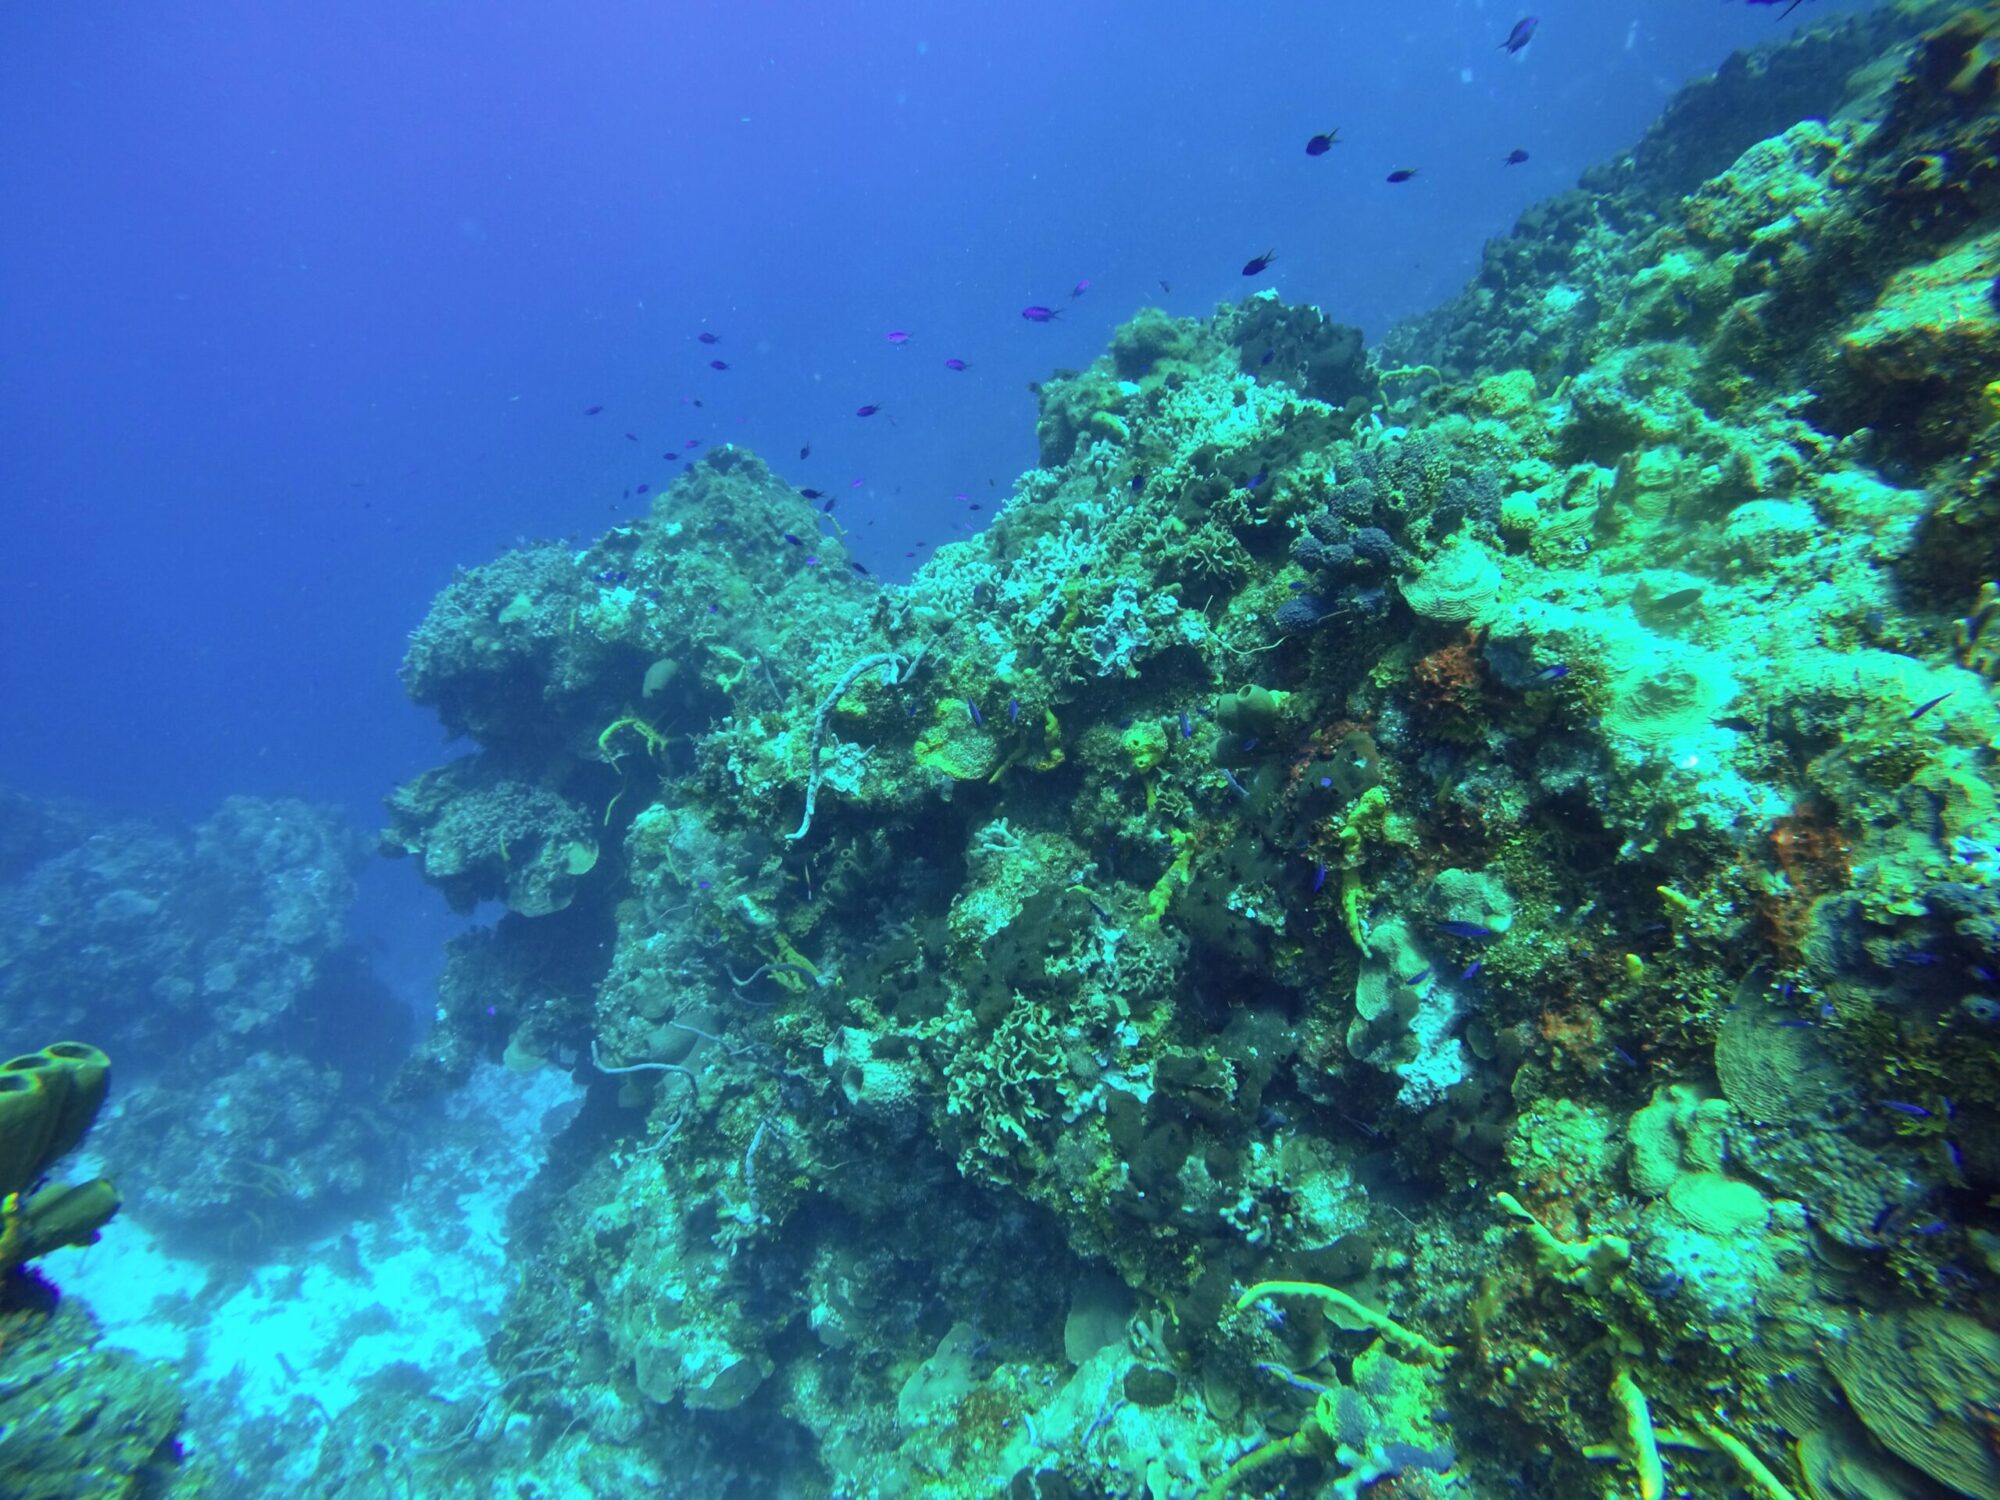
(718, 364)
(1080, 288)
(1524, 32)
(897, 336)
(956, 363)
(1039, 314)
(869, 410)
(709, 338)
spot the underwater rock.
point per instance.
(1459, 585)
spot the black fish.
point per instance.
(709, 338)
(813, 494)
(1402, 174)
(867, 411)
(857, 567)
(1256, 266)
(1515, 157)
(631, 437)
(806, 450)
(1524, 31)
(1320, 144)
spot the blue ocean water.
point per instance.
(1414, 909)
(303, 310)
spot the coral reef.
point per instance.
(1424, 926)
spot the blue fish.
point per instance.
(1013, 710)
(1465, 929)
(1473, 968)
(1254, 480)
(978, 720)
(1524, 33)
(1417, 978)
(1187, 728)
(1904, 1107)
(1552, 674)
(1234, 785)
(1319, 877)
(1250, 744)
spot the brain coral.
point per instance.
(1717, 1205)
(1919, 1378)
(1459, 586)
(1667, 692)
(1772, 1072)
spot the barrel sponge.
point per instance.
(1460, 585)
(1920, 1378)
(1717, 1205)
(48, 1100)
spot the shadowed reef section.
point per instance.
(1426, 918)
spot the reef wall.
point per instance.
(1434, 925)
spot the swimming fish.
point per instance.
(1257, 264)
(1040, 314)
(1524, 31)
(1514, 158)
(955, 363)
(1402, 174)
(1322, 143)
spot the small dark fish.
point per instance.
(857, 567)
(1473, 968)
(1936, 1226)
(1040, 314)
(867, 411)
(1623, 1056)
(1322, 143)
(1465, 929)
(709, 338)
(1555, 673)
(1164, 287)
(631, 437)
(1013, 710)
(1904, 1107)
(1678, 599)
(1514, 158)
(1080, 288)
(1187, 728)
(642, 489)
(1738, 723)
(1402, 174)
(591, 411)
(1254, 480)
(1417, 978)
(827, 504)
(1138, 482)
(897, 336)
(1319, 877)
(1524, 32)
(692, 443)
(1269, 355)
(955, 363)
(718, 364)
(1256, 265)
(805, 450)
(813, 494)
(1250, 744)
(793, 540)
(978, 720)
(1923, 709)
